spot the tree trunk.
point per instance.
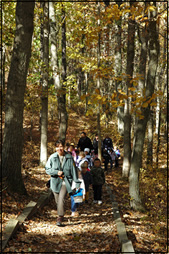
(53, 39)
(45, 77)
(86, 87)
(61, 93)
(2, 70)
(118, 72)
(13, 133)
(98, 87)
(136, 161)
(81, 74)
(127, 116)
(150, 140)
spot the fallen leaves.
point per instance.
(93, 231)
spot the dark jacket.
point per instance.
(107, 143)
(98, 177)
(106, 156)
(95, 145)
(87, 180)
(84, 142)
(70, 173)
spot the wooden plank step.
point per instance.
(28, 211)
(127, 247)
(122, 232)
(10, 230)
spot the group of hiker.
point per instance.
(109, 153)
(73, 170)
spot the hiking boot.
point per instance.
(59, 221)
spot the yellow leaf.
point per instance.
(145, 105)
(153, 96)
(132, 88)
(153, 104)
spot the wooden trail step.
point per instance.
(10, 230)
(13, 224)
(126, 244)
(28, 212)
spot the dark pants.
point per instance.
(97, 191)
(111, 163)
(116, 162)
(60, 200)
(106, 165)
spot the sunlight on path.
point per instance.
(93, 231)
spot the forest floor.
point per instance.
(94, 230)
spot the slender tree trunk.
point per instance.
(81, 74)
(158, 138)
(53, 40)
(45, 77)
(150, 140)
(127, 116)
(98, 86)
(139, 136)
(158, 124)
(118, 71)
(136, 162)
(61, 94)
(2, 70)
(86, 87)
(13, 133)
(158, 113)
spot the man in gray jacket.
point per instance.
(61, 167)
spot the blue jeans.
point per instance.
(74, 205)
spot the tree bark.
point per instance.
(45, 77)
(150, 140)
(13, 133)
(136, 161)
(53, 39)
(127, 116)
(118, 72)
(81, 74)
(61, 93)
(98, 86)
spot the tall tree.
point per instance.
(13, 133)
(98, 83)
(61, 91)
(44, 81)
(150, 125)
(127, 114)
(118, 71)
(140, 129)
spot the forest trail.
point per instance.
(94, 230)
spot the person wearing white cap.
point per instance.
(88, 157)
(87, 150)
